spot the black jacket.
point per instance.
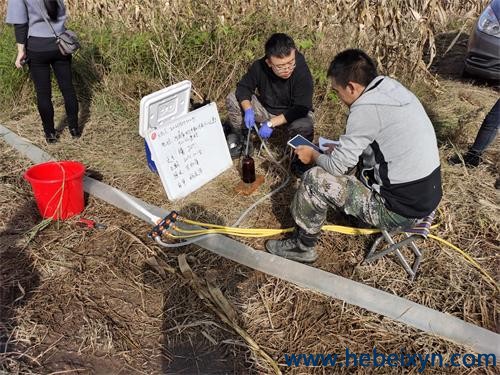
(291, 97)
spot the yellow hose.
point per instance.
(469, 259)
(265, 232)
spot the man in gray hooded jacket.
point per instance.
(392, 141)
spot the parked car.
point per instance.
(483, 50)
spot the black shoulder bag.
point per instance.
(67, 41)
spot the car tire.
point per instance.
(465, 74)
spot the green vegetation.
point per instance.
(129, 53)
(12, 80)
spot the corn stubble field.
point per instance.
(111, 301)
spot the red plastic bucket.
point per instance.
(58, 188)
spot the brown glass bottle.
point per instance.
(248, 169)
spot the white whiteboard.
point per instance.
(189, 151)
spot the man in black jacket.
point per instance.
(276, 91)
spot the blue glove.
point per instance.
(265, 130)
(249, 118)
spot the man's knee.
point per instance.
(231, 101)
(317, 174)
(317, 177)
(303, 126)
(325, 185)
(235, 114)
(311, 176)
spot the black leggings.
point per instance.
(40, 63)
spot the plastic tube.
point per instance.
(24, 146)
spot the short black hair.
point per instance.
(52, 7)
(352, 65)
(279, 45)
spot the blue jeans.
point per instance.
(488, 131)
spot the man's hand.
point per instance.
(306, 154)
(265, 130)
(249, 118)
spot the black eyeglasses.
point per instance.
(284, 67)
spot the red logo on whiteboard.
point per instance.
(153, 136)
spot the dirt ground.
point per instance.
(88, 301)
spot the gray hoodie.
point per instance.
(389, 129)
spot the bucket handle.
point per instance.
(60, 191)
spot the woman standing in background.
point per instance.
(36, 46)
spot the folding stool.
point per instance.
(421, 229)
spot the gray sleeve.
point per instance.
(363, 126)
(16, 12)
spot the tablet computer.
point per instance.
(299, 140)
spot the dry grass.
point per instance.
(84, 297)
(395, 32)
(89, 301)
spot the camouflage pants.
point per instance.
(303, 126)
(320, 189)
